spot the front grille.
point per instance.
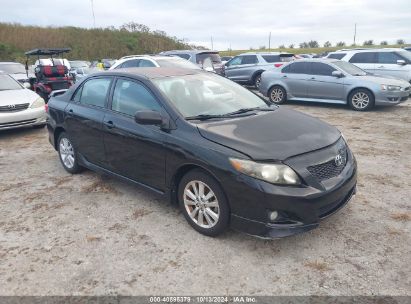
(14, 108)
(17, 123)
(404, 98)
(328, 169)
(59, 85)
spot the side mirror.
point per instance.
(401, 62)
(148, 117)
(337, 74)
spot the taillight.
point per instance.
(277, 65)
(46, 107)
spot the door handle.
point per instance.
(285, 76)
(312, 78)
(70, 112)
(109, 124)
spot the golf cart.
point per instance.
(52, 75)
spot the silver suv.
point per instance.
(388, 62)
(247, 68)
(207, 60)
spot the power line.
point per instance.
(92, 10)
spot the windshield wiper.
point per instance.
(245, 110)
(205, 117)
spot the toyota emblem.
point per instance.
(11, 106)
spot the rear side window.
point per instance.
(388, 57)
(94, 92)
(297, 68)
(336, 56)
(133, 63)
(146, 64)
(271, 58)
(286, 57)
(184, 56)
(249, 59)
(130, 96)
(364, 57)
(322, 69)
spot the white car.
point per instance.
(144, 61)
(392, 62)
(17, 71)
(19, 107)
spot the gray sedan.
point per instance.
(332, 81)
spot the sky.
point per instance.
(241, 24)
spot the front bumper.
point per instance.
(25, 118)
(385, 98)
(300, 208)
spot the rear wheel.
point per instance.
(277, 95)
(257, 81)
(203, 203)
(361, 100)
(67, 154)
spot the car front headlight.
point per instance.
(387, 87)
(272, 173)
(39, 102)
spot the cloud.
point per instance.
(239, 23)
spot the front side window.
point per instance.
(364, 57)
(388, 57)
(235, 61)
(94, 92)
(321, 69)
(130, 96)
(206, 94)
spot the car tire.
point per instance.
(257, 81)
(361, 100)
(277, 95)
(67, 154)
(203, 203)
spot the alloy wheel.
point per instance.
(201, 204)
(360, 100)
(258, 81)
(277, 95)
(67, 153)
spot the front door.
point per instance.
(322, 85)
(133, 150)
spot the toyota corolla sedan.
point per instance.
(225, 155)
(19, 107)
(332, 81)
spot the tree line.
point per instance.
(315, 44)
(86, 44)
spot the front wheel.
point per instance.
(203, 203)
(257, 81)
(361, 100)
(277, 95)
(67, 154)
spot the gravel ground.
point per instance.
(86, 234)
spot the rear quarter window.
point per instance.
(271, 58)
(336, 56)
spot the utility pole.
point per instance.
(92, 10)
(269, 42)
(212, 45)
(355, 32)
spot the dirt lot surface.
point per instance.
(63, 234)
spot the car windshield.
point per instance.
(13, 68)
(215, 58)
(8, 83)
(350, 68)
(177, 62)
(207, 94)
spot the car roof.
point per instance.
(265, 53)
(9, 62)
(188, 52)
(360, 50)
(155, 56)
(323, 60)
(150, 72)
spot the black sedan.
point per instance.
(225, 155)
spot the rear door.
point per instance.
(387, 65)
(84, 118)
(133, 150)
(295, 76)
(365, 61)
(322, 85)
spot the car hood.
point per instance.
(8, 97)
(275, 135)
(382, 79)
